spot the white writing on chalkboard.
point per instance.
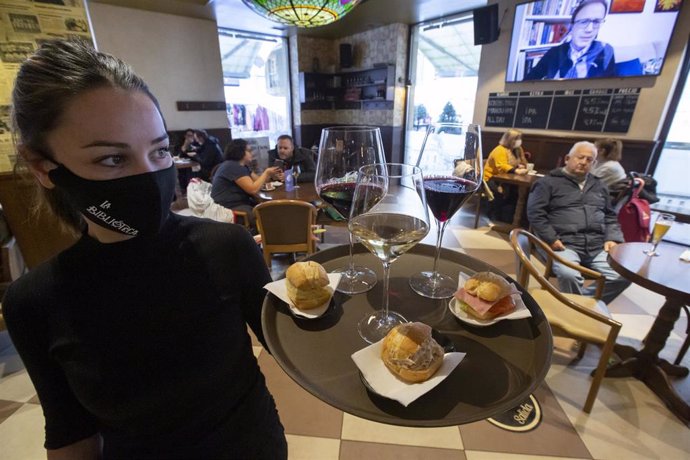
(602, 110)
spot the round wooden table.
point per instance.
(305, 192)
(524, 183)
(667, 275)
(505, 362)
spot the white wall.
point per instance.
(178, 57)
(654, 97)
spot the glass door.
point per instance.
(257, 88)
(673, 187)
(444, 63)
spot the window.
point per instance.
(257, 85)
(673, 187)
(443, 73)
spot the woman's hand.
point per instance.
(272, 171)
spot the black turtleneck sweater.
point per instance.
(143, 341)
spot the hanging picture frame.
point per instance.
(627, 6)
(667, 6)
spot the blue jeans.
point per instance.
(571, 281)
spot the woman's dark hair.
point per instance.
(584, 3)
(47, 81)
(609, 150)
(235, 150)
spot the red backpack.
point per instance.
(634, 216)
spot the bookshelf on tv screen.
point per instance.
(582, 39)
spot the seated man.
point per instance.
(285, 150)
(570, 210)
(208, 154)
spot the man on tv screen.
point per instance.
(582, 56)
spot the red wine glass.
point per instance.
(342, 151)
(451, 162)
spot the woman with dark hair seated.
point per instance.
(234, 184)
(608, 167)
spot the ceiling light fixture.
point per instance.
(302, 13)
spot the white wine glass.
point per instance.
(296, 171)
(451, 162)
(342, 151)
(661, 227)
(389, 216)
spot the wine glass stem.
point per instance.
(386, 278)
(440, 228)
(655, 244)
(351, 263)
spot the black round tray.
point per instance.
(505, 362)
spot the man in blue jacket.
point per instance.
(570, 210)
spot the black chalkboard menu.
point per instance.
(598, 110)
(501, 110)
(594, 106)
(564, 109)
(621, 110)
(533, 109)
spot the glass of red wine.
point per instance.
(452, 165)
(342, 151)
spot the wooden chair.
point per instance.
(582, 318)
(485, 193)
(241, 217)
(286, 226)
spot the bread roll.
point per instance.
(307, 285)
(491, 286)
(411, 353)
(471, 285)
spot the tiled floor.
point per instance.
(627, 421)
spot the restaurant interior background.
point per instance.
(443, 67)
(241, 75)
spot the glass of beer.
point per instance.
(661, 225)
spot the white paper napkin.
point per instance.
(279, 289)
(685, 256)
(384, 383)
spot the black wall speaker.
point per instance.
(485, 24)
(345, 55)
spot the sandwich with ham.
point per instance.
(486, 296)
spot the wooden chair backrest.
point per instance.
(286, 223)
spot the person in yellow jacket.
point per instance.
(507, 157)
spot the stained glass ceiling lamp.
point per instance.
(302, 13)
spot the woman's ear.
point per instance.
(38, 165)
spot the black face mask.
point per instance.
(133, 205)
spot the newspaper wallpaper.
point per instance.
(24, 25)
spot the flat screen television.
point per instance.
(580, 39)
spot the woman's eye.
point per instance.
(112, 160)
(163, 152)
